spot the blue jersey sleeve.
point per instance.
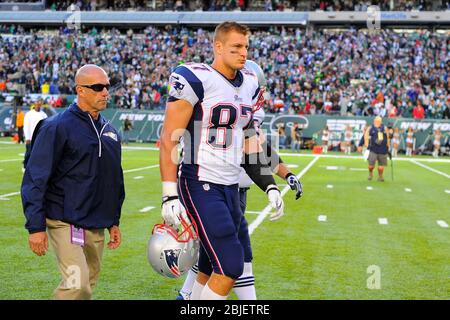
(185, 85)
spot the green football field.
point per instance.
(346, 238)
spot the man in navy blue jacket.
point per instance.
(73, 186)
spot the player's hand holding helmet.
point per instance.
(172, 210)
(172, 252)
(276, 201)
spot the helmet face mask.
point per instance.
(173, 252)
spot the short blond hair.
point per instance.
(228, 26)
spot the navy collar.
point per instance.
(84, 114)
(236, 82)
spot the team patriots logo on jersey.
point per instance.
(177, 85)
(237, 98)
(172, 261)
(112, 135)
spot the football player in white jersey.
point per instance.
(209, 112)
(245, 284)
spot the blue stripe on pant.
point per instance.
(243, 235)
(217, 213)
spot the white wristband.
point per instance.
(169, 188)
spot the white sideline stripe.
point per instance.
(431, 169)
(21, 154)
(329, 186)
(322, 218)
(442, 223)
(447, 191)
(358, 169)
(382, 220)
(332, 167)
(292, 166)
(10, 160)
(139, 169)
(267, 209)
(369, 188)
(7, 142)
(286, 154)
(138, 178)
(408, 190)
(146, 209)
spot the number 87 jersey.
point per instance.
(213, 141)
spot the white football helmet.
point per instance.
(263, 93)
(172, 252)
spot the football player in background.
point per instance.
(209, 111)
(245, 284)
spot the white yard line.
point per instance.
(287, 154)
(143, 168)
(329, 186)
(442, 223)
(408, 190)
(255, 224)
(431, 169)
(252, 212)
(369, 188)
(141, 148)
(6, 196)
(146, 209)
(447, 191)
(11, 160)
(382, 220)
(7, 142)
(138, 178)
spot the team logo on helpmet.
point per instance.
(176, 85)
(172, 260)
(111, 134)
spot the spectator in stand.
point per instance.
(419, 112)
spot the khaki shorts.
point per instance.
(374, 157)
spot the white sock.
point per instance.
(189, 282)
(208, 294)
(197, 290)
(245, 285)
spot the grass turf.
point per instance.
(297, 257)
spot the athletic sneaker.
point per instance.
(380, 178)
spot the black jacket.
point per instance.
(73, 173)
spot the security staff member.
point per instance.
(73, 186)
(376, 139)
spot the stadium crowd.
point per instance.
(252, 5)
(350, 72)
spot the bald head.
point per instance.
(89, 73)
(92, 84)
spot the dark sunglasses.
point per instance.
(98, 87)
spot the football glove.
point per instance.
(295, 184)
(172, 209)
(276, 201)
